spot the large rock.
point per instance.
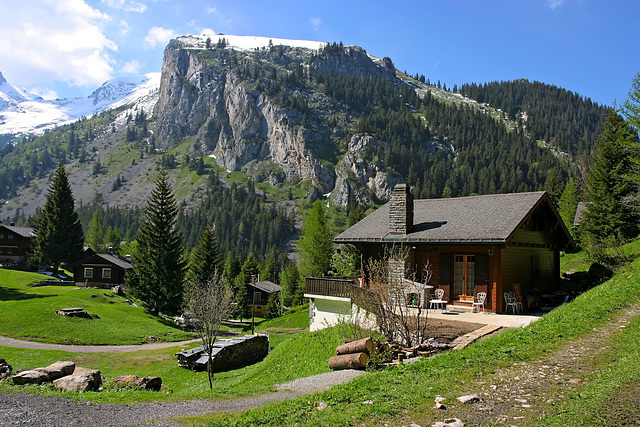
(42, 375)
(5, 370)
(134, 381)
(82, 379)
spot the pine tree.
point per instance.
(607, 215)
(58, 233)
(273, 306)
(631, 106)
(289, 279)
(568, 203)
(158, 265)
(205, 259)
(315, 246)
(95, 233)
(248, 274)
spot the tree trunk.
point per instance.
(349, 361)
(364, 345)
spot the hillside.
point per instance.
(301, 120)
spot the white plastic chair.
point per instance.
(517, 301)
(479, 302)
(510, 301)
(438, 301)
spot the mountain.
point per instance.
(23, 113)
(301, 120)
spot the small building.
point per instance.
(472, 244)
(100, 270)
(15, 243)
(227, 354)
(261, 291)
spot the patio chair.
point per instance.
(510, 302)
(517, 301)
(438, 300)
(516, 290)
(479, 302)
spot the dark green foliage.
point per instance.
(158, 266)
(315, 246)
(273, 306)
(346, 261)
(631, 106)
(608, 215)
(205, 259)
(248, 274)
(290, 283)
(568, 203)
(58, 233)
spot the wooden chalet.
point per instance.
(100, 270)
(15, 243)
(473, 244)
(261, 291)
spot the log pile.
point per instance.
(352, 355)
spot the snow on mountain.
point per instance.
(10, 96)
(246, 42)
(35, 115)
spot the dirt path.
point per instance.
(514, 395)
(11, 342)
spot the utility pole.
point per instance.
(253, 303)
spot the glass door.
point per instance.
(464, 276)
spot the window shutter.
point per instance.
(445, 269)
(482, 269)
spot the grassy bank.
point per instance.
(408, 392)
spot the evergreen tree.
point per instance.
(568, 203)
(95, 233)
(231, 268)
(273, 306)
(113, 239)
(289, 279)
(608, 217)
(315, 246)
(631, 106)
(205, 259)
(158, 266)
(58, 233)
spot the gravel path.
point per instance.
(37, 410)
(11, 342)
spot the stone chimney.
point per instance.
(401, 212)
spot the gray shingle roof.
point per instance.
(116, 261)
(22, 231)
(475, 219)
(267, 286)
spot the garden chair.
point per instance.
(510, 302)
(517, 302)
(438, 300)
(479, 302)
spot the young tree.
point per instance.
(631, 106)
(568, 203)
(289, 281)
(205, 259)
(608, 216)
(315, 246)
(210, 303)
(95, 233)
(158, 266)
(248, 274)
(273, 306)
(58, 233)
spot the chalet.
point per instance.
(473, 244)
(261, 291)
(15, 243)
(100, 270)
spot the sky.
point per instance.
(63, 48)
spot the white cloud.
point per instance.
(132, 67)
(554, 3)
(44, 93)
(316, 22)
(212, 9)
(127, 6)
(207, 32)
(56, 40)
(158, 35)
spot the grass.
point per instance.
(30, 313)
(408, 391)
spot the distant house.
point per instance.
(15, 243)
(100, 270)
(261, 291)
(473, 244)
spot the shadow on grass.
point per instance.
(7, 294)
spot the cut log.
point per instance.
(365, 345)
(349, 361)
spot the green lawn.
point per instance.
(29, 312)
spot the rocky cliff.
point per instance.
(248, 110)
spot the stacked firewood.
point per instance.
(355, 354)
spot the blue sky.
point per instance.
(592, 47)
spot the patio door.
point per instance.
(464, 276)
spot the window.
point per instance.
(9, 251)
(88, 272)
(1, 236)
(257, 297)
(106, 273)
(10, 236)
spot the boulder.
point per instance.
(42, 375)
(82, 379)
(134, 381)
(5, 370)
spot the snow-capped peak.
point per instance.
(245, 42)
(11, 96)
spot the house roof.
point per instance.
(22, 231)
(488, 219)
(267, 286)
(112, 259)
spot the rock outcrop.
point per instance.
(42, 375)
(82, 379)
